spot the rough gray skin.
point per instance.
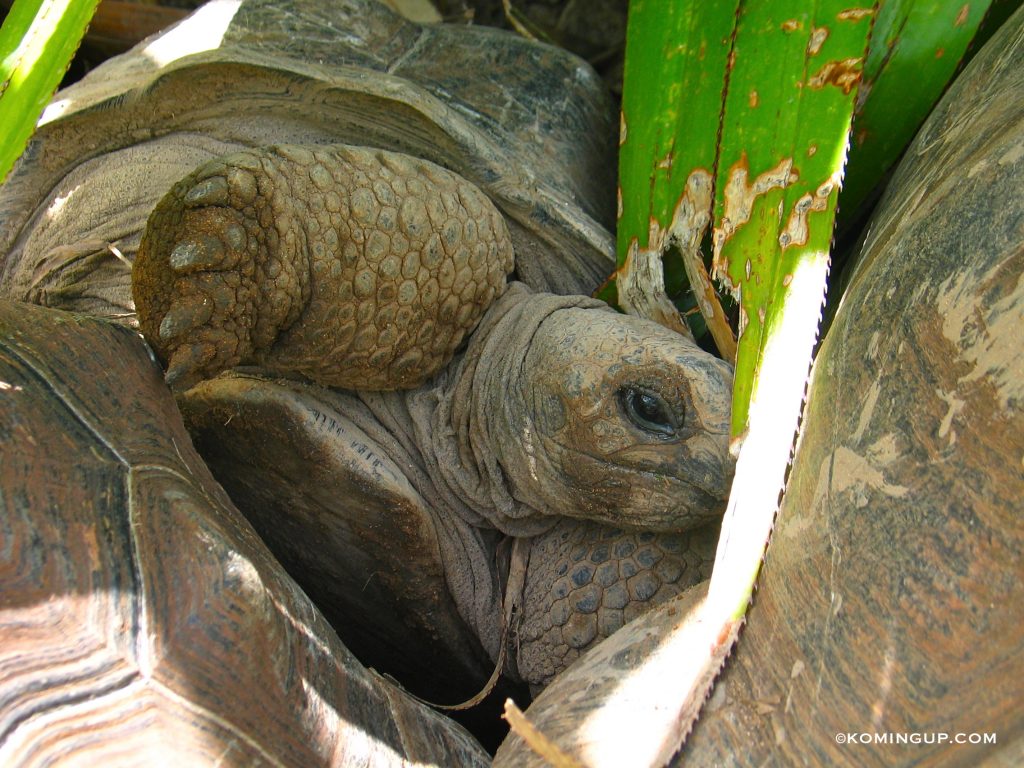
(396, 511)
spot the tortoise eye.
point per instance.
(648, 410)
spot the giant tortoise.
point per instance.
(887, 628)
(461, 472)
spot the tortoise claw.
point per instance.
(212, 191)
(234, 235)
(205, 252)
(183, 368)
(184, 316)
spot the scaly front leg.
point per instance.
(356, 268)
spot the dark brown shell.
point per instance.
(891, 600)
(142, 621)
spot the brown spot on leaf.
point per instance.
(797, 228)
(744, 319)
(622, 128)
(812, 150)
(640, 281)
(738, 203)
(818, 37)
(791, 25)
(961, 18)
(753, 99)
(844, 74)
(641, 284)
(854, 14)
(940, 52)
(689, 223)
(693, 211)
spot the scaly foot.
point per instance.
(356, 268)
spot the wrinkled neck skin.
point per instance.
(482, 436)
(449, 433)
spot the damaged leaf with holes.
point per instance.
(781, 156)
(676, 57)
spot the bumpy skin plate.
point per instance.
(141, 619)
(568, 710)
(586, 581)
(353, 267)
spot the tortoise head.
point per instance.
(619, 420)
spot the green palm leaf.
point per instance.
(37, 41)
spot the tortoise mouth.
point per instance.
(664, 499)
(585, 580)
